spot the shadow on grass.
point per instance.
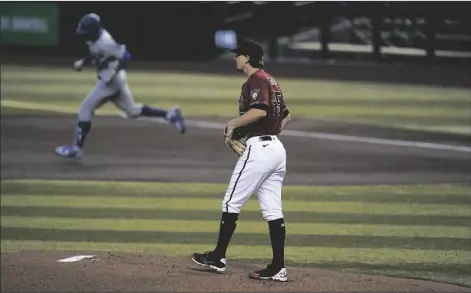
(455, 274)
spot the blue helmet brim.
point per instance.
(80, 31)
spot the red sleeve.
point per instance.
(259, 93)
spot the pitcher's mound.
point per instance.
(122, 272)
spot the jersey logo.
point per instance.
(254, 93)
(272, 81)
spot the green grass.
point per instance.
(248, 227)
(419, 231)
(404, 106)
(377, 193)
(197, 204)
(168, 81)
(298, 255)
(294, 216)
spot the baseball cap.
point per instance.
(249, 48)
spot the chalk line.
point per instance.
(220, 126)
(335, 137)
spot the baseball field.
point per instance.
(377, 195)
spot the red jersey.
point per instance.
(261, 91)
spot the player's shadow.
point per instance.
(70, 162)
(205, 270)
(266, 282)
(77, 164)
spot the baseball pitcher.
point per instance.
(261, 166)
(111, 60)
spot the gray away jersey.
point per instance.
(105, 50)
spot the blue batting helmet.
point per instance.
(89, 26)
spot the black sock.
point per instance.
(277, 236)
(226, 229)
(83, 127)
(152, 112)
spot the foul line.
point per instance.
(336, 137)
(220, 126)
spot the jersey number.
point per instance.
(276, 101)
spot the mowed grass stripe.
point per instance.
(179, 187)
(334, 89)
(298, 254)
(447, 194)
(149, 90)
(12, 105)
(292, 217)
(294, 100)
(198, 204)
(137, 78)
(303, 197)
(248, 227)
(151, 95)
(174, 188)
(134, 81)
(132, 236)
(70, 106)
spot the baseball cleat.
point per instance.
(69, 151)
(175, 117)
(207, 259)
(270, 273)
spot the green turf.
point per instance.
(294, 240)
(416, 230)
(452, 116)
(295, 216)
(405, 106)
(197, 204)
(436, 193)
(323, 89)
(246, 226)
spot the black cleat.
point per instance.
(270, 273)
(208, 259)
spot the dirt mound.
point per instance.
(120, 272)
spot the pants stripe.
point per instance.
(237, 180)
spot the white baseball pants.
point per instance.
(117, 92)
(260, 169)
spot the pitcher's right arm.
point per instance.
(285, 122)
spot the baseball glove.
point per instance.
(235, 141)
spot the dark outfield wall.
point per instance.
(152, 30)
(157, 30)
(184, 31)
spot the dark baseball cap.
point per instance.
(249, 48)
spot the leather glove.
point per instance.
(236, 142)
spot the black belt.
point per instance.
(265, 138)
(262, 137)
